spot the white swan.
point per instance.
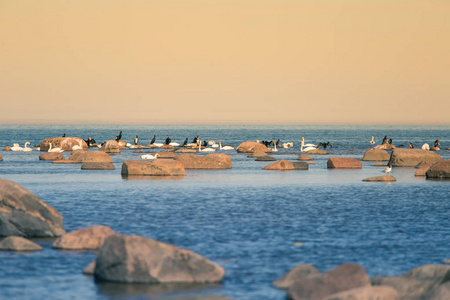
(274, 148)
(175, 144)
(26, 149)
(149, 156)
(54, 149)
(372, 141)
(226, 147)
(288, 145)
(16, 147)
(307, 147)
(425, 147)
(204, 150)
(158, 144)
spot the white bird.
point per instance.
(54, 149)
(16, 147)
(226, 147)
(307, 147)
(288, 145)
(158, 144)
(425, 147)
(149, 156)
(372, 141)
(175, 144)
(26, 149)
(204, 150)
(274, 148)
(388, 169)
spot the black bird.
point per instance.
(136, 140)
(411, 146)
(436, 143)
(119, 136)
(153, 139)
(90, 142)
(205, 144)
(185, 142)
(271, 143)
(390, 142)
(64, 135)
(384, 140)
(168, 140)
(278, 142)
(325, 145)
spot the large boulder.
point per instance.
(135, 259)
(343, 163)
(298, 273)
(17, 243)
(110, 146)
(90, 156)
(342, 278)
(439, 170)
(51, 156)
(89, 238)
(209, 161)
(440, 292)
(376, 155)
(281, 165)
(366, 293)
(158, 167)
(250, 147)
(411, 157)
(65, 143)
(22, 213)
(415, 282)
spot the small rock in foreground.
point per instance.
(16, 243)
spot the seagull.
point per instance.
(388, 169)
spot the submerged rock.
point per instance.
(97, 166)
(265, 158)
(16, 243)
(384, 178)
(135, 259)
(22, 213)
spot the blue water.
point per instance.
(245, 219)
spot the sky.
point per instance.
(225, 62)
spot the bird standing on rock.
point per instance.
(168, 140)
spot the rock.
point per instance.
(435, 149)
(317, 151)
(366, 293)
(297, 273)
(7, 148)
(22, 213)
(184, 150)
(415, 282)
(166, 147)
(299, 165)
(446, 261)
(65, 143)
(257, 154)
(90, 157)
(135, 259)
(64, 162)
(89, 270)
(265, 158)
(423, 164)
(304, 157)
(1, 157)
(411, 157)
(440, 170)
(376, 155)
(343, 163)
(97, 166)
(378, 164)
(89, 238)
(209, 161)
(16, 243)
(441, 292)
(384, 178)
(343, 278)
(281, 165)
(422, 171)
(158, 167)
(166, 154)
(252, 147)
(51, 156)
(384, 147)
(110, 146)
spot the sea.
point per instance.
(256, 224)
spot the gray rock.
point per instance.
(376, 155)
(214, 161)
(158, 167)
(265, 158)
(440, 292)
(366, 293)
(299, 165)
(97, 166)
(80, 156)
(411, 157)
(89, 238)
(439, 170)
(297, 273)
(16, 243)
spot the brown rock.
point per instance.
(384, 147)
(1, 157)
(317, 151)
(422, 171)
(282, 165)
(64, 162)
(22, 213)
(384, 178)
(435, 149)
(343, 163)
(366, 293)
(265, 158)
(304, 157)
(298, 273)
(257, 154)
(439, 170)
(440, 292)
(122, 144)
(376, 155)
(415, 282)
(97, 166)
(142, 260)
(90, 157)
(51, 156)
(184, 150)
(110, 146)
(16, 243)
(89, 238)
(7, 148)
(158, 167)
(342, 278)
(65, 143)
(251, 147)
(209, 161)
(167, 147)
(89, 270)
(300, 165)
(166, 154)
(411, 157)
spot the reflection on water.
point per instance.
(152, 178)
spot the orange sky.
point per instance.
(229, 61)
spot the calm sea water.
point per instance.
(245, 219)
